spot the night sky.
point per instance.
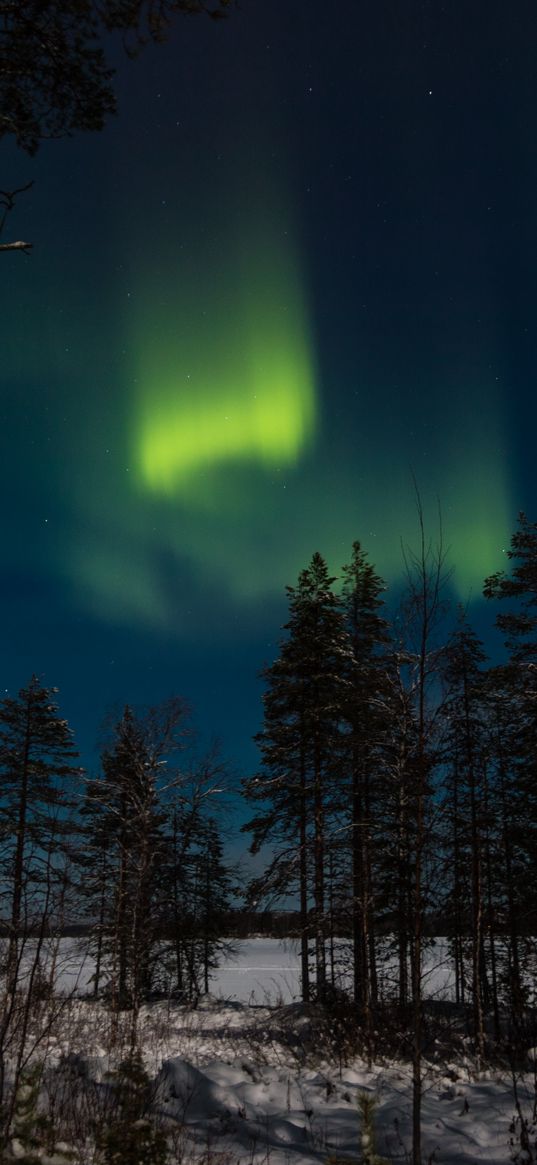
(298, 268)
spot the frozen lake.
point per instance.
(266, 971)
(263, 970)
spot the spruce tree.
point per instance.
(96, 870)
(198, 889)
(520, 586)
(300, 746)
(125, 819)
(423, 612)
(153, 880)
(513, 858)
(365, 743)
(513, 688)
(37, 800)
(213, 891)
(182, 842)
(397, 826)
(467, 809)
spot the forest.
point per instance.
(395, 798)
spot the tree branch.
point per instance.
(7, 203)
(17, 246)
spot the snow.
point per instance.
(266, 971)
(235, 1084)
(247, 1077)
(262, 970)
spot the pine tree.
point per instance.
(467, 808)
(197, 898)
(131, 1137)
(213, 890)
(96, 871)
(125, 819)
(519, 625)
(130, 779)
(512, 875)
(153, 879)
(423, 611)
(183, 838)
(365, 742)
(514, 700)
(300, 746)
(37, 800)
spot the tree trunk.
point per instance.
(18, 859)
(318, 874)
(304, 921)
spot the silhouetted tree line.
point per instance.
(398, 786)
(134, 855)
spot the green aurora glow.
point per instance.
(236, 382)
(206, 453)
(241, 389)
(239, 505)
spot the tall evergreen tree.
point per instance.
(300, 746)
(37, 799)
(153, 878)
(130, 777)
(396, 826)
(365, 713)
(125, 834)
(466, 809)
(520, 586)
(184, 833)
(514, 697)
(197, 883)
(511, 859)
(424, 609)
(211, 900)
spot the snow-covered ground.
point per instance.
(248, 1077)
(280, 1112)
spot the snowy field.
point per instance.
(247, 1076)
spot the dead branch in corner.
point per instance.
(8, 199)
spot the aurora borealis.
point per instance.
(237, 387)
(295, 272)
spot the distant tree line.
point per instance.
(397, 784)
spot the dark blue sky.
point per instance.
(296, 269)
